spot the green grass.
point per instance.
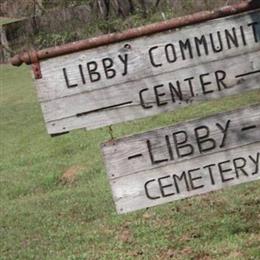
(44, 217)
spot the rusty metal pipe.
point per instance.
(25, 57)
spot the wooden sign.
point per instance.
(184, 160)
(151, 74)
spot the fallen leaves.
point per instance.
(70, 175)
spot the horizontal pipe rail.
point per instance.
(26, 57)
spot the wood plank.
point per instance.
(123, 81)
(129, 192)
(120, 155)
(230, 139)
(152, 96)
(139, 64)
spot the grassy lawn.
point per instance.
(56, 203)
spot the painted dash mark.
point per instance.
(248, 128)
(135, 156)
(103, 108)
(248, 74)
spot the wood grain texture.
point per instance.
(139, 64)
(63, 114)
(220, 138)
(129, 193)
(80, 103)
(117, 152)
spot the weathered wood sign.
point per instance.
(151, 74)
(184, 160)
